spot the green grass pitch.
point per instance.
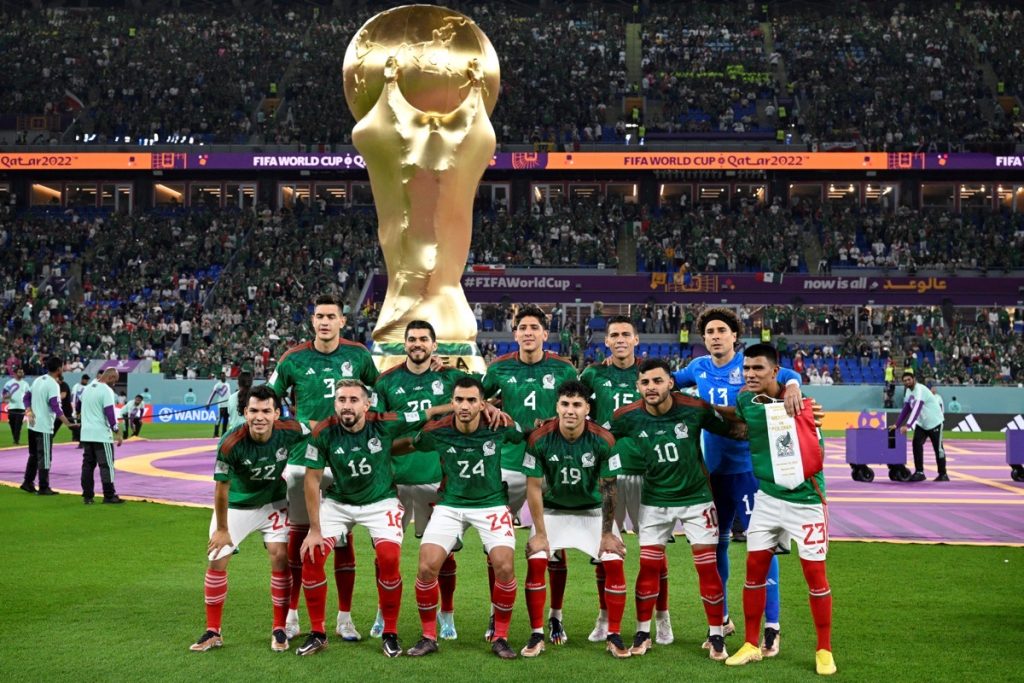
(116, 593)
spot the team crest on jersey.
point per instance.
(437, 387)
(346, 369)
(682, 432)
(587, 459)
(735, 377)
(489, 448)
(221, 467)
(282, 454)
(375, 445)
(549, 381)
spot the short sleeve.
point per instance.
(424, 442)
(279, 378)
(611, 464)
(395, 424)
(532, 459)
(514, 434)
(222, 467)
(315, 457)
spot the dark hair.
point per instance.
(531, 311)
(621, 320)
(244, 386)
(53, 364)
(654, 364)
(263, 393)
(138, 395)
(469, 382)
(348, 383)
(421, 325)
(574, 387)
(954, 398)
(762, 351)
(328, 300)
(86, 377)
(908, 373)
(723, 314)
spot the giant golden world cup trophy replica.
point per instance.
(421, 82)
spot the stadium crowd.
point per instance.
(219, 76)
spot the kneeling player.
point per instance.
(666, 428)
(357, 446)
(780, 514)
(572, 455)
(249, 497)
(473, 495)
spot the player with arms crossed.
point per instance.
(313, 369)
(666, 428)
(526, 382)
(574, 458)
(250, 497)
(356, 445)
(473, 495)
(613, 384)
(781, 514)
(417, 385)
(718, 378)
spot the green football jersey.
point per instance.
(615, 388)
(254, 469)
(360, 461)
(314, 376)
(471, 463)
(811, 492)
(401, 390)
(528, 392)
(669, 445)
(572, 469)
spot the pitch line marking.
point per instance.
(143, 464)
(988, 482)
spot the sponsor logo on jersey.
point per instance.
(310, 371)
(553, 458)
(642, 435)
(281, 454)
(375, 445)
(247, 461)
(340, 450)
(704, 375)
(346, 369)
(400, 391)
(682, 432)
(549, 381)
(735, 377)
(608, 383)
(451, 449)
(437, 387)
(587, 459)
(511, 380)
(489, 448)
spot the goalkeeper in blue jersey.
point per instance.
(718, 378)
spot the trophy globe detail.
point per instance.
(421, 82)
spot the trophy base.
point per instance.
(463, 356)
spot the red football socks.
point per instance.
(389, 583)
(535, 591)
(215, 590)
(711, 593)
(345, 574)
(280, 593)
(503, 598)
(821, 601)
(758, 563)
(652, 559)
(614, 593)
(426, 603)
(446, 580)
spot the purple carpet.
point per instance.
(980, 505)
